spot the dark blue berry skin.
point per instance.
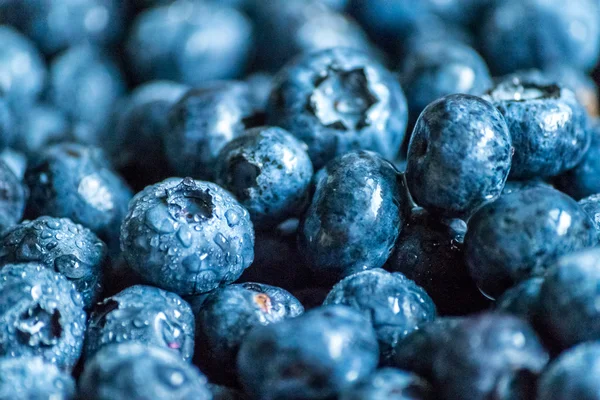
(15, 161)
(569, 299)
(521, 235)
(518, 34)
(260, 85)
(314, 356)
(582, 180)
(390, 384)
(430, 252)
(136, 144)
(225, 393)
(269, 172)
(522, 300)
(339, 100)
(459, 156)
(76, 182)
(63, 246)
(142, 314)
(489, 356)
(187, 236)
(517, 186)
(226, 317)
(440, 68)
(355, 216)
(591, 205)
(464, 12)
(13, 199)
(8, 124)
(42, 126)
(394, 305)
(573, 375)
(127, 371)
(203, 121)
(26, 378)
(177, 42)
(547, 124)
(84, 84)
(41, 314)
(20, 85)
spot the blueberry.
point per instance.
(582, 180)
(76, 182)
(569, 299)
(521, 235)
(439, 68)
(463, 12)
(430, 252)
(203, 121)
(136, 145)
(142, 314)
(26, 378)
(591, 205)
(15, 161)
(226, 317)
(189, 42)
(22, 69)
(394, 304)
(519, 34)
(459, 156)
(13, 197)
(517, 186)
(260, 85)
(390, 384)
(42, 126)
(547, 125)
(8, 124)
(269, 172)
(573, 375)
(132, 370)
(489, 356)
(355, 215)
(522, 300)
(187, 236)
(41, 314)
(61, 245)
(314, 356)
(339, 100)
(225, 393)
(85, 83)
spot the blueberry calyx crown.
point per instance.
(39, 327)
(519, 90)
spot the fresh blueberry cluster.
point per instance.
(299, 199)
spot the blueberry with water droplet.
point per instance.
(33, 378)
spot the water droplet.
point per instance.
(159, 219)
(53, 224)
(232, 218)
(221, 241)
(185, 235)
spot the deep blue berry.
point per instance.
(489, 356)
(394, 304)
(226, 317)
(63, 246)
(459, 156)
(547, 124)
(127, 371)
(76, 182)
(355, 216)
(339, 100)
(430, 252)
(260, 85)
(26, 378)
(13, 199)
(569, 299)
(189, 42)
(42, 126)
(463, 12)
(591, 205)
(390, 384)
(187, 236)
(269, 172)
(142, 314)
(517, 186)
(203, 121)
(15, 161)
(573, 375)
(41, 314)
(522, 300)
(314, 356)
(521, 235)
(84, 84)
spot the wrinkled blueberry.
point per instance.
(521, 235)
(13, 195)
(41, 314)
(27, 378)
(355, 215)
(131, 370)
(61, 245)
(269, 172)
(313, 356)
(394, 304)
(226, 317)
(459, 156)
(390, 384)
(142, 314)
(547, 124)
(187, 236)
(339, 100)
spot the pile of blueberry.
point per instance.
(299, 199)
